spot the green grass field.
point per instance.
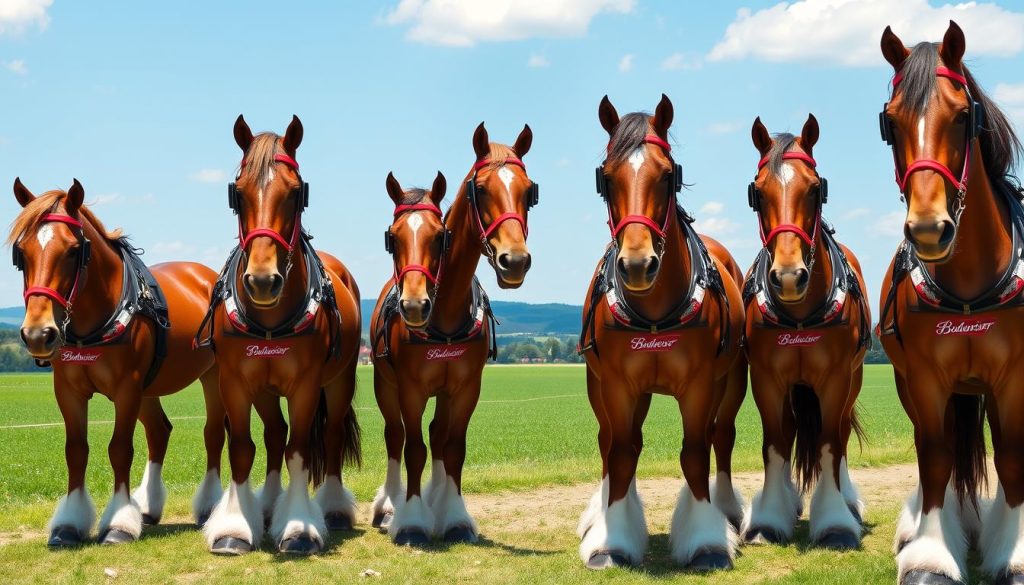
(533, 428)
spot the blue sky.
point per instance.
(137, 100)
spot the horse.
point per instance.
(806, 335)
(109, 324)
(283, 322)
(663, 314)
(432, 331)
(951, 312)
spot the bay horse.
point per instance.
(433, 330)
(663, 315)
(808, 327)
(951, 316)
(109, 324)
(283, 322)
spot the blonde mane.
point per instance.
(30, 217)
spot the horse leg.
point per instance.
(910, 515)
(235, 526)
(275, 435)
(832, 522)
(342, 434)
(297, 525)
(775, 509)
(1002, 538)
(151, 493)
(121, 521)
(938, 551)
(413, 522)
(846, 485)
(392, 491)
(454, 523)
(726, 497)
(209, 491)
(702, 538)
(75, 515)
(438, 429)
(618, 532)
(604, 440)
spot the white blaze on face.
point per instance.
(414, 222)
(44, 235)
(920, 133)
(636, 160)
(506, 176)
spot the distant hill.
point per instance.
(11, 317)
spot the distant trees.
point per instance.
(13, 357)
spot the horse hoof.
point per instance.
(926, 578)
(460, 534)
(838, 539)
(856, 513)
(201, 520)
(710, 560)
(64, 537)
(148, 520)
(116, 536)
(338, 521)
(300, 544)
(1010, 579)
(382, 519)
(231, 546)
(763, 535)
(607, 559)
(411, 537)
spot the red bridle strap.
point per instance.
(46, 291)
(508, 161)
(400, 209)
(661, 230)
(790, 227)
(416, 268)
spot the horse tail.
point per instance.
(807, 412)
(317, 442)
(858, 428)
(969, 471)
(352, 447)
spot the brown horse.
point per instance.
(285, 322)
(432, 331)
(663, 315)
(951, 318)
(807, 330)
(104, 320)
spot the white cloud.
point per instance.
(712, 208)
(681, 62)
(463, 23)
(890, 224)
(626, 64)
(106, 199)
(857, 213)
(209, 176)
(723, 127)
(18, 15)
(16, 66)
(716, 226)
(538, 60)
(1010, 97)
(846, 32)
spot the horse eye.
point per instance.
(961, 118)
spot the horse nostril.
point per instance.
(653, 264)
(247, 282)
(49, 335)
(425, 307)
(802, 277)
(503, 261)
(908, 231)
(773, 278)
(948, 233)
(276, 284)
(622, 268)
(24, 336)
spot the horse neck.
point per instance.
(100, 292)
(455, 289)
(293, 296)
(818, 286)
(984, 232)
(673, 278)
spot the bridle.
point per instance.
(532, 199)
(675, 185)
(391, 248)
(82, 260)
(976, 113)
(754, 199)
(245, 238)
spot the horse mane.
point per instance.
(259, 158)
(1000, 146)
(782, 143)
(628, 136)
(31, 216)
(499, 155)
(413, 195)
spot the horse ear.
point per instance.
(243, 135)
(523, 142)
(74, 199)
(809, 135)
(439, 188)
(759, 134)
(22, 194)
(481, 142)
(608, 116)
(893, 49)
(663, 115)
(292, 136)
(395, 190)
(953, 46)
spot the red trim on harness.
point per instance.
(502, 219)
(400, 209)
(661, 230)
(790, 156)
(61, 219)
(115, 331)
(789, 228)
(508, 161)
(416, 268)
(941, 72)
(46, 292)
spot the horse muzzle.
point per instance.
(638, 272)
(789, 284)
(932, 238)
(42, 342)
(415, 312)
(512, 268)
(264, 290)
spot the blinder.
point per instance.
(975, 121)
(234, 199)
(675, 180)
(754, 194)
(19, 258)
(532, 192)
(390, 242)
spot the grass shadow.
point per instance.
(161, 531)
(335, 539)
